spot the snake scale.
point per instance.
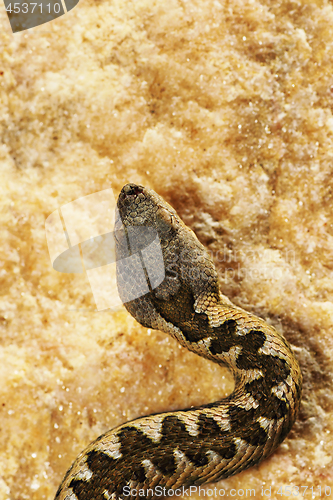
(197, 445)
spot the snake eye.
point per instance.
(168, 218)
(165, 215)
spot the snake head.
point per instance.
(158, 256)
(139, 206)
(146, 240)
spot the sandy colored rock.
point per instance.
(222, 107)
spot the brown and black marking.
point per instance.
(199, 444)
(114, 474)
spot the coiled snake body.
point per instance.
(197, 445)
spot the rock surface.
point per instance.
(225, 109)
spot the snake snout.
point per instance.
(132, 190)
(130, 193)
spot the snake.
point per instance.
(167, 281)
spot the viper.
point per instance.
(168, 281)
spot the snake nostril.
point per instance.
(132, 190)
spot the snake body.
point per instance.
(198, 445)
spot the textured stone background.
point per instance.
(225, 108)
